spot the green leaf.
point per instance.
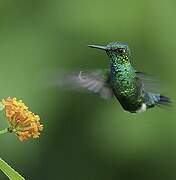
(10, 172)
(1, 106)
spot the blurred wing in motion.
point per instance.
(150, 83)
(94, 81)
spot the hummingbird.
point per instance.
(121, 80)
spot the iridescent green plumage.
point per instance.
(124, 82)
(121, 80)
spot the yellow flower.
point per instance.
(22, 121)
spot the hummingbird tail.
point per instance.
(164, 100)
(153, 99)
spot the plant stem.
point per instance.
(4, 131)
(9, 171)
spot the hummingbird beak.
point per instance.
(98, 47)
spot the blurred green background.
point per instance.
(87, 138)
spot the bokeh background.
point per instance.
(85, 137)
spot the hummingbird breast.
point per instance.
(126, 88)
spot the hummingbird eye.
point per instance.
(120, 50)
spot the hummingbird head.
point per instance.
(116, 50)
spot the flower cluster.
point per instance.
(21, 121)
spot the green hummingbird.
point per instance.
(121, 80)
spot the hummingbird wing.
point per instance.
(94, 81)
(149, 82)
